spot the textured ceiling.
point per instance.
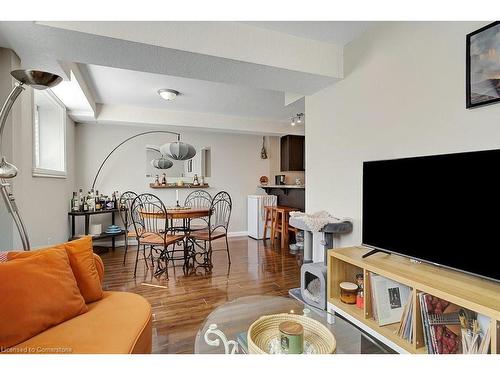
(338, 32)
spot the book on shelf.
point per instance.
(405, 329)
(388, 299)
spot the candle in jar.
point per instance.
(177, 195)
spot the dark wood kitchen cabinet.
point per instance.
(292, 153)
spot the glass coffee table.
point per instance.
(233, 319)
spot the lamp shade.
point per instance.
(162, 163)
(7, 170)
(178, 150)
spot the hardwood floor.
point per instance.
(181, 304)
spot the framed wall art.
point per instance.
(483, 66)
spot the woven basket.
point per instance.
(265, 329)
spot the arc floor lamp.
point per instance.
(40, 81)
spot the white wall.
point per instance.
(43, 202)
(7, 63)
(236, 163)
(403, 95)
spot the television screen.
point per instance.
(442, 209)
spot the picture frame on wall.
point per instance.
(483, 66)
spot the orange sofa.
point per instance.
(119, 323)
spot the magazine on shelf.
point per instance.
(389, 298)
(439, 338)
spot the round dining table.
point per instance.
(186, 214)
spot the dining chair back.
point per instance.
(218, 224)
(199, 198)
(148, 215)
(220, 211)
(218, 221)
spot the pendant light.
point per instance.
(162, 163)
(178, 150)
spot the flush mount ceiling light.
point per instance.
(168, 94)
(297, 119)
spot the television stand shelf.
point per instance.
(471, 292)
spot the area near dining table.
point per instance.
(166, 233)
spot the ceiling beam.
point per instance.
(228, 40)
(115, 114)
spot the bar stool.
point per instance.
(280, 224)
(268, 222)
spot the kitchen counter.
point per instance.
(282, 186)
(288, 195)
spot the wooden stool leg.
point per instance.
(266, 223)
(284, 230)
(273, 226)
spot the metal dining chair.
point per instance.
(199, 198)
(149, 216)
(125, 207)
(218, 224)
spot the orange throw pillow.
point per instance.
(81, 258)
(37, 293)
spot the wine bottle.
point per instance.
(86, 202)
(73, 203)
(97, 201)
(92, 200)
(80, 200)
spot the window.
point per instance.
(49, 135)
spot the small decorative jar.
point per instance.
(360, 297)
(291, 337)
(348, 292)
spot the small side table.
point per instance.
(87, 215)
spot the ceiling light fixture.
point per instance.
(168, 94)
(297, 119)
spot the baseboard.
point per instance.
(133, 242)
(238, 234)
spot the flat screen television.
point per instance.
(442, 209)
